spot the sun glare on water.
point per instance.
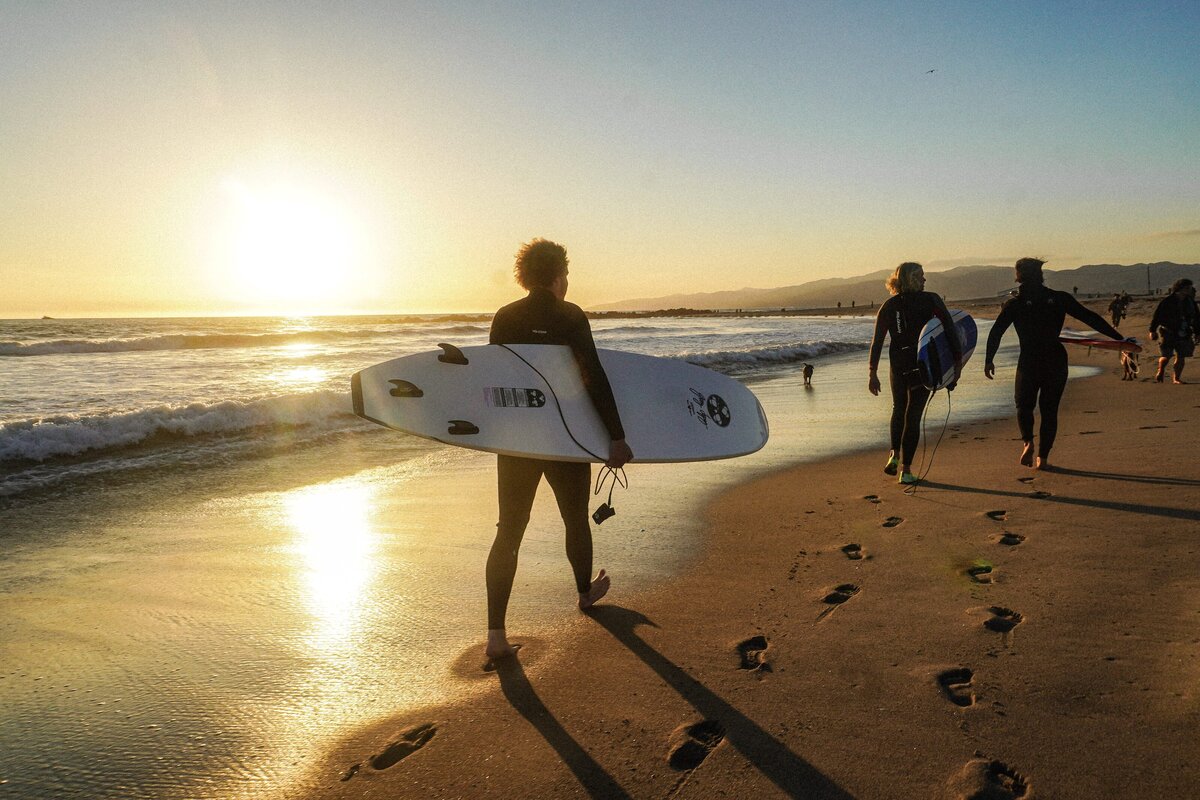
(286, 249)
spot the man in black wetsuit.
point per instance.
(1038, 314)
(543, 317)
(1174, 327)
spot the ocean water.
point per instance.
(85, 398)
(212, 571)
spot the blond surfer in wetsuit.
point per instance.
(544, 317)
(1038, 312)
(901, 318)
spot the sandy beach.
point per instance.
(999, 633)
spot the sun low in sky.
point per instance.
(284, 248)
(198, 158)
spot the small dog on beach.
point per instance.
(1129, 363)
(808, 373)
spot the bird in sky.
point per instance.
(928, 71)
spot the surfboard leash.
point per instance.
(557, 405)
(927, 466)
(605, 510)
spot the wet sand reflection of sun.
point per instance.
(337, 544)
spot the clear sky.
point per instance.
(171, 157)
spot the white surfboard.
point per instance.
(529, 400)
(933, 348)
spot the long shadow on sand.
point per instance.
(785, 769)
(516, 687)
(1132, 508)
(1119, 476)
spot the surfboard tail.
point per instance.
(356, 393)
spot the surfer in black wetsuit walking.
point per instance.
(901, 317)
(1174, 327)
(1038, 313)
(543, 317)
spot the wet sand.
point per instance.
(1000, 633)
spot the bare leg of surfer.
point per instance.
(598, 589)
(1179, 360)
(1027, 455)
(498, 646)
(1162, 370)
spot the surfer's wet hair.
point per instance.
(1029, 270)
(904, 279)
(539, 263)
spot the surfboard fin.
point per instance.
(451, 354)
(460, 427)
(405, 389)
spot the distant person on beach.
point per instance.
(1038, 314)
(901, 317)
(1116, 309)
(1174, 327)
(544, 317)
(808, 372)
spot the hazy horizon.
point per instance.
(182, 159)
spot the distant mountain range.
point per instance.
(959, 283)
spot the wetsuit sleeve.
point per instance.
(1158, 318)
(881, 329)
(1086, 315)
(1003, 320)
(594, 378)
(942, 313)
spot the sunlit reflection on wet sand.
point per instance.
(335, 539)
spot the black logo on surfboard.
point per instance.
(710, 408)
(504, 397)
(718, 410)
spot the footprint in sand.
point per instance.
(410, 741)
(691, 744)
(853, 551)
(892, 522)
(1011, 539)
(871, 498)
(956, 684)
(1026, 480)
(988, 780)
(1089, 433)
(753, 654)
(998, 516)
(1002, 620)
(841, 594)
(980, 572)
(1038, 494)
(1151, 427)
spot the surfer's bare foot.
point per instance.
(1027, 455)
(1178, 381)
(1042, 463)
(600, 585)
(498, 646)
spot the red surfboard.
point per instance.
(1093, 340)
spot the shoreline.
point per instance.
(911, 666)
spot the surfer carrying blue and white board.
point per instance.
(901, 318)
(1038, 313)
(544, 317)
